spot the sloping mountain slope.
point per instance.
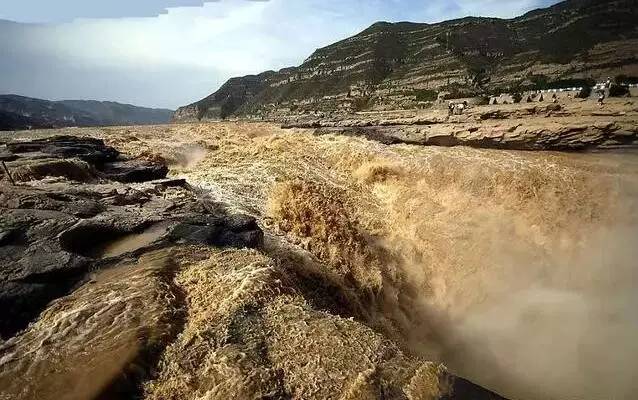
(401, 64)
(120, 113)
(18, 112)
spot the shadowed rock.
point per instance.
(53, 234)
(133, 171)
(90, 150)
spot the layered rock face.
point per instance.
(567, 127)
(403, 65)
(76, 207)
(228, 99)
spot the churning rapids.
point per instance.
(517, 270)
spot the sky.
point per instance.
(169, 53)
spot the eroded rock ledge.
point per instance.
(78, 206)
(549, 127)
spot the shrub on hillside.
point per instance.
(618, 91)
(627, 80)
(585, 92)
(425, 95)
(361, 103)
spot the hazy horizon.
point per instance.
(169, 53)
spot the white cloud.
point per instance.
(166, 60)
(47, 11)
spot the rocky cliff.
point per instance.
(19, 112)
(405, 65)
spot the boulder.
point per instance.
(72, 169)
(90, 150)
(133, 171)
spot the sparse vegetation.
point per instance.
(355, 246)
(481, 55)
(627, 80)
(542, 82)
(483, 100)
(361, 103)
(425, 94)
(584, 93)
(618, 90)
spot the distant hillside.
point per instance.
(18, 112)
(400, 65)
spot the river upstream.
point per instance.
(515, 269)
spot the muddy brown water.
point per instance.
(131, 242)
(86, 342)
(516, 269)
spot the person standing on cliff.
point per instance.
(459, 108)
(601, 98)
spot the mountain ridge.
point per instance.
(21, 112)
(400, 65)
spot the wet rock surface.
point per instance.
(134, 171)
(87, 149)
(54, 229)
(100, 339)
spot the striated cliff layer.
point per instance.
(404, 65)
